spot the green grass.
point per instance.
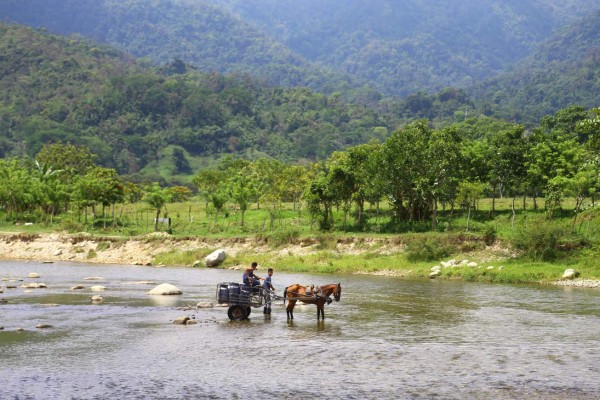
(180, 257)
(418, 248)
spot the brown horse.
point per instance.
(319, 296)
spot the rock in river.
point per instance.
(181, 320)
(165, 289)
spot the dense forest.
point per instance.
(419, 171)
(359, 48)
(413, 45)
(563, 70)
(195, 32)
(135, 117)
(81, 124)
(72, 91)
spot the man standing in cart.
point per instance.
(268, 291)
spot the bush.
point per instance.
(279, 238)
(72, 227)
(540, 242)
(103, 246)
(326, 242)
(489, 235)
(428, 250)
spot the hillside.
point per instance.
(151, 123)
(46, 81)
(404, 47)
(397, 47)
(193, 31)
(563, 71)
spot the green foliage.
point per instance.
(142, 123)
(181, 258)
(490, 234)
(283, 237)
(563, 71)
(428, 249)
(403, 47)
(357, 50)
(103, 246)
(326, 242)
(541, 241)
(157, 198)
(72, 227)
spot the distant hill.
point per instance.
(563, 71)
(402, 47)
(161, 123)
(195, 32)
(398, 48)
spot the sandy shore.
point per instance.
(85, 248)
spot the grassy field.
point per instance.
(527, 245)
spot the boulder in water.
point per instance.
(181, 320)
(97, 299)
(165, 289)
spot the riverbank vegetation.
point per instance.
(526, 248)
(439, 194)
(235, 158)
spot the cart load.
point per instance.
(240, 298)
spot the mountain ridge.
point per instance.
(397, 48)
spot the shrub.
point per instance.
(103, 246)
(489, 235)
(72, 227)
(428, 250)
(540, 241)
(279, 238)
(326, 242)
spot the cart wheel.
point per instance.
(248, 311)
(237, 313)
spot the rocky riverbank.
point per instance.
(86, 248)
(83, 247)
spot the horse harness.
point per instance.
(317, 294)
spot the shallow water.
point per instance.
(386, 338)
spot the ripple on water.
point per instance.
(387, 338)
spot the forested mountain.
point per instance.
(398, 47)
(564, 70)
(138, 119)
(163, 30)
(118, 119)
(405, 46)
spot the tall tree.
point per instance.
(157, 198)
(243, 189)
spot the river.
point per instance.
(386, 338)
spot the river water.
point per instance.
(386, 338)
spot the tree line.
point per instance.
(418, 170)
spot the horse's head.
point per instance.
(337, 292)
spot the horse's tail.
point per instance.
(284, 295)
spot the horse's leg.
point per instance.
(290, 309)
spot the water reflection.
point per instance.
(386, 338)
(164, 301)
